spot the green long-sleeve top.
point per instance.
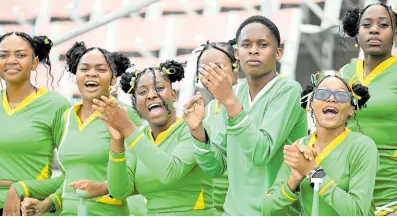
(215, 125)
(83, 153)
(378, 121)
(251, 150)
(28, 136)
(350, 163)
(164, 171)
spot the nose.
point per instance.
(92, 73)
(331, 98)
(152, 94)
(253, 50)
(11, 59)
(374, 29)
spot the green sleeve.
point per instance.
(357, 200)
(279, 198)
(120, 177)
(260, 145)
(58, 125)
(167, 167)
(39, 189)
(211, 157)
(56, 198)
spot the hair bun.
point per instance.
(361, 91)
(178, 70)
(42, 47)
(350, 22)
(121, 62)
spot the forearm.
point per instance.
(38, 189)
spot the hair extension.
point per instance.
(172, 70)
(224, 47)
(262, 20)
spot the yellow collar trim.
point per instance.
(163, 134)
(378, 70)
(32, 97)
(90, 119)
(331, 146)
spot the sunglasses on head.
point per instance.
(339, 96)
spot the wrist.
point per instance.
(46, 206)
(128, 130)
(293, 183)
(233, 106)
(117, 145)
(104, 187)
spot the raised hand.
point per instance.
(296, 160)
(194, 111)
(218, 81)
(114, 115)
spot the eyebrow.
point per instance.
(101, 64)
(21, 50)
(382, 18)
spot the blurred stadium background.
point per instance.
(150, 31)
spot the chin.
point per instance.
(376, 51)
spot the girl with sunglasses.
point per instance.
(374, 27)
(344, 161)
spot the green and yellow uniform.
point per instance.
(350, 163)
(83, 154)
(251, 150)
(28, 137)
(164, 171)
(215, 125)
(378, 121)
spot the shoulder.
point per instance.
(56, 99)
(287, 84)
(349, 70)
(361, 144)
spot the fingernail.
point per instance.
(311, 158)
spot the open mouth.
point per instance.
(329, 111)
(91, 85)
(155, 109)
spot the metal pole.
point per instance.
(102, 21)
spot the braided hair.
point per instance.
(225, 47)
(172, 70)
(41, 46)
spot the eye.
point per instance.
(21, 55)
(3, 55)
(142, 92)
(264, 45)
(83, 69)
(160, 88)
(102, 70)
(366, 25)
(244, 45)
(384, 25)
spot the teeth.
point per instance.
(91, 83)
(153, 105)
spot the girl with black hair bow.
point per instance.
(344, 162)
